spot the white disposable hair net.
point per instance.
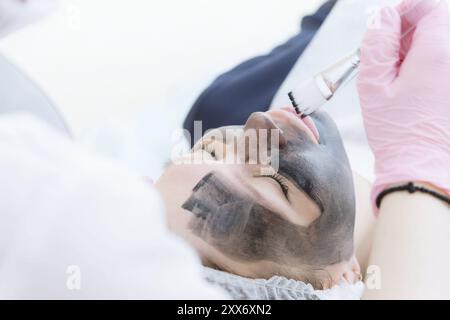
(279, 288)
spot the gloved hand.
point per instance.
(404, 88)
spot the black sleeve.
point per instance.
(252, 85)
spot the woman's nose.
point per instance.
(260, 122)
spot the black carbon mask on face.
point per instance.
(323, 173)
(241, 228)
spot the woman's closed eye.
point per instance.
(210, 147)
(281, 182)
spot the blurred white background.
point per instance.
(97, 58)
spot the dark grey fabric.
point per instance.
(19, 93)
(252, 85)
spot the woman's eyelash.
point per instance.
(281, 181)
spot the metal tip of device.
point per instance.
(294, 102)
(314, 93)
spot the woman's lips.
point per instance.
(306, 124)
(311, 126)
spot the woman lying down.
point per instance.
(296, 221)
(250, 219)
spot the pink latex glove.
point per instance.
(404, 88)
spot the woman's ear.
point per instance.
(352, 272)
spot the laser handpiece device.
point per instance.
(310, 96)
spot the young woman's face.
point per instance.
(298, 216)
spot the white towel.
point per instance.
(78, 226)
